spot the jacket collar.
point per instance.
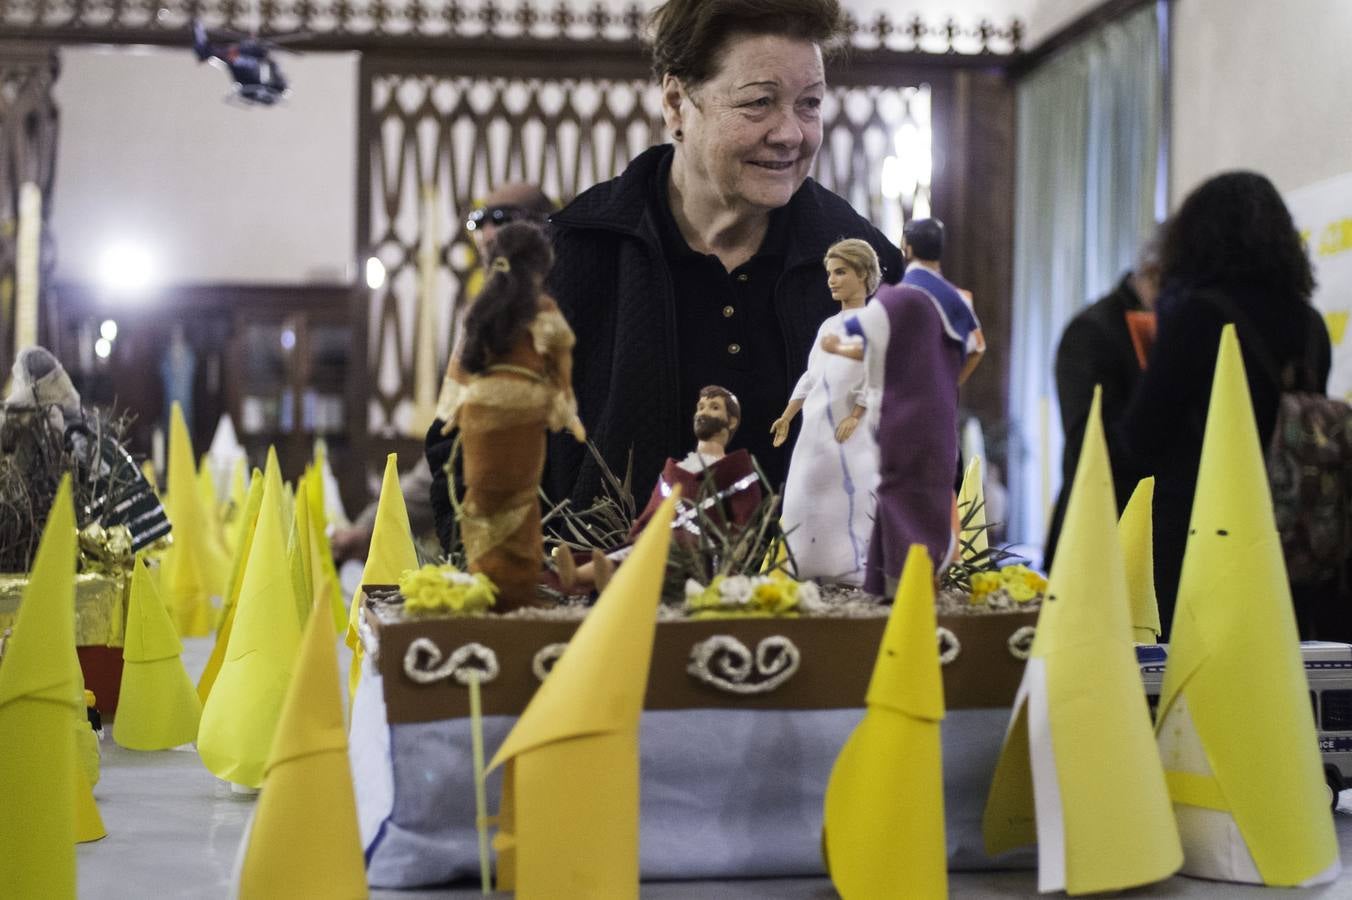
(621, 204)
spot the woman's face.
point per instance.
(751, 131)
(844, 282)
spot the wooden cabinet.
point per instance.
(284, 361)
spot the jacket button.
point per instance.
(728, 311)
(743, 277)
(734, 348)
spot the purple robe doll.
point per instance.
(915, 346)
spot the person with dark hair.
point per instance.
(509, 382)
(424, 486)
(1106, 344)
(511, 201)
(1230, 254)
(699, 263)
(923, 239)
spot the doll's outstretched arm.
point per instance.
(780, 427)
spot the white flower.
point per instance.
(693, 589)
(999, 600)
(736, 589)
(808, 595)
(459, 578)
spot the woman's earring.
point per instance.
(678, 134)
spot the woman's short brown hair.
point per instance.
(860, 256)
(687, 35)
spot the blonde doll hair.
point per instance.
(858, 255)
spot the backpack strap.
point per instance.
(1292, 376)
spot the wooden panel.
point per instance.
(28, 133)
(974, 195)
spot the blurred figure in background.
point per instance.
(1230, 254)
(1107, 344)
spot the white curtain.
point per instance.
(1085, 200)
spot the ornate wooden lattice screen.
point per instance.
(437, 143)
(28, 123)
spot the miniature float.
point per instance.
(755, 682)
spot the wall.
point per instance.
(1045, 17)
(1263, 87)
(150, 152)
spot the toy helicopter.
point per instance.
(258, 80)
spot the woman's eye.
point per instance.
(758, 103)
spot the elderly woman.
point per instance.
(699, 264)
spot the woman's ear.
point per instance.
(673, 96)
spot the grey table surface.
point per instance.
(174, 832)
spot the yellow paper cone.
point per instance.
(321, 553)
(302, 563)
(1235, 727)
(241, 712)
(883, 824)
(392, 552)
(248, 523)
(38, 691)
(148, 470)
(239, 498)
(239, 483)
(88, 822)
(332, 497)
(573, 755)
(1137, 534)
(206, 488)
(1081, 728)
(158, 708)
(194, 567)
(972, 511)
(304, 840)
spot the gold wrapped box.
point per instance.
(100, 627)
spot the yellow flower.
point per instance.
(983, 583)
(445, 590)
(743, 596)
(1020, 591)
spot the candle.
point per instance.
(27, 266)
(425, 380)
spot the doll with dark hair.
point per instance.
(510, 382)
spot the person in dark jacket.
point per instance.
(1106, 344)
(701, 263)
(1230, 254)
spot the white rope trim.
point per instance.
(725, 663)
(949, 645)
(1021, 642)
(545, 658)
(368, 637)
(471, 660)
